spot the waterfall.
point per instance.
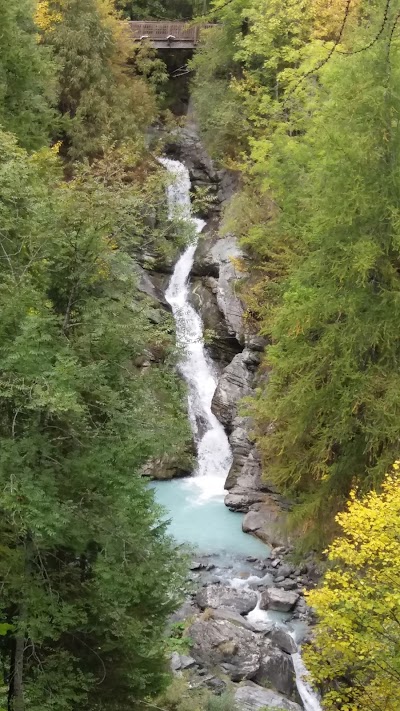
(214, 456)
(307, 694)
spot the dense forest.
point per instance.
(301, 101)
(88, 573)
(304, 104)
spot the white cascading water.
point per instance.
(214, 455)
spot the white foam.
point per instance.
(214, 456)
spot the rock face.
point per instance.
(219, 342)
(214, 596)
(252, 698)
(267, 519)
(278, 599)
(234, 649)
(227, 253)
(234, 384)
(276, 671)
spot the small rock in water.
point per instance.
(283, 639)
(196, 565)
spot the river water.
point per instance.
(195, 505)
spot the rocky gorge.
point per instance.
(247, 613)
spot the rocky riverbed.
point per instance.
(244, 622)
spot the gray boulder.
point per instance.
(215, 596)
(278, 599)
(225, 613)
(276, 671)
(282, 639)
(229, 646)
(253, 697)
(267, 520)
(234, 384)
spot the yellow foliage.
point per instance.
(45, 16)
(356, 651)
(329, 16)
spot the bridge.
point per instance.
(167, 35)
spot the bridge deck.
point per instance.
(167, 35)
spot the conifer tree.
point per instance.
(101, 98)
(333, 396)
(27, 76)
(88, 573)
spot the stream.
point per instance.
(195, 505)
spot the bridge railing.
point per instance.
(161, 31)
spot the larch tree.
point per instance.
(333, 396)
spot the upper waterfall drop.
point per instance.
(214, 456)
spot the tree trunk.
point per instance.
(18, 702)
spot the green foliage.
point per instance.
(27, 76)
(178, 641)
(102, 99)
(218, 108)
(180, 697)
(89, 575)
(333, 394)
(157, 9)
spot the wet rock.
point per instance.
(253, 697)
(205, 262)
(234, 384)
(184, 144)
(197, 565)
(282, 639)
(278, 599)
(242, 500)
(276, 671)
(231, 647)
(214, 596)
(170, 466)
